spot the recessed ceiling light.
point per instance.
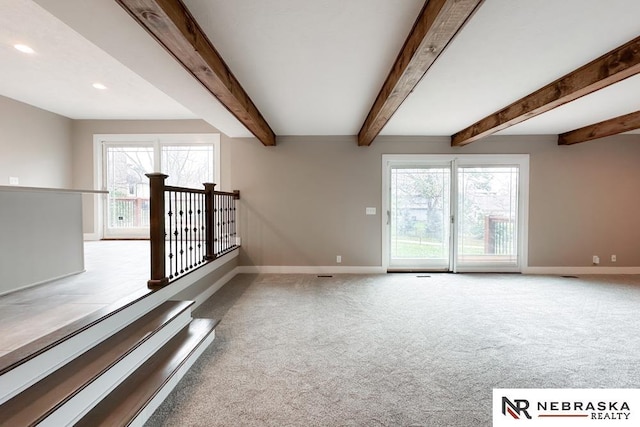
(23, 48)
(99, 86)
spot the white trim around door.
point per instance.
(457, 164)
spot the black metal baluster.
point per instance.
(228, 232)
(196, 241)
(185, 231)
(215, 229)
(201, 228)
(181, 237)
(221, 223)
(188, 232)
(217, 225)
(170, 255)
(200, 223)
(221, 237)
(175, 232)
(225, 223)
(192, 212)
(196, 224)
(230, 225)
(231, 238)
(229, 222)
(233, 201)
(223, 204)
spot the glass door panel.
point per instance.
(487, 219)
(419, 217)
(127, 210)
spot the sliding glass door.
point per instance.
(455, 213)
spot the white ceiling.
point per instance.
(311, 67)
(59, 76)
(315, 67)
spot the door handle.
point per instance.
(388, 217)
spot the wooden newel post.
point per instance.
(209, 220)
(157, 230)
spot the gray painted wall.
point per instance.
(303, 201)
(35, 146)
(41, 237)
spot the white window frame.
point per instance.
(157, 141)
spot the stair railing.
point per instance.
(188, 228)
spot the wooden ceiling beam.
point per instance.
(438, 22)
(606, 70)
(173, 26)
(613, 126)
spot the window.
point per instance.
(190, 160)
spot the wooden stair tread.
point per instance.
(35, 348)
(42, 398)
(126, 401)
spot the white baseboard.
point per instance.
(41, 282)
(299, 269)
(581, 270)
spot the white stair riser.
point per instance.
(30, 372)
(148, 410)
(91, 395)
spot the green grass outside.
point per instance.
(408, 249)
(405, 249)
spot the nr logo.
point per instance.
(516, 409)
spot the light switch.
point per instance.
(370, 211)
(13, 180)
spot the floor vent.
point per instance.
(570, 277)
(325, 276)
(423, 276)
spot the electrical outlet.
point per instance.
(596, 259)
(14, 180)
(339, 259)
(614, 258)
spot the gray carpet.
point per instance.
(398, 350)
